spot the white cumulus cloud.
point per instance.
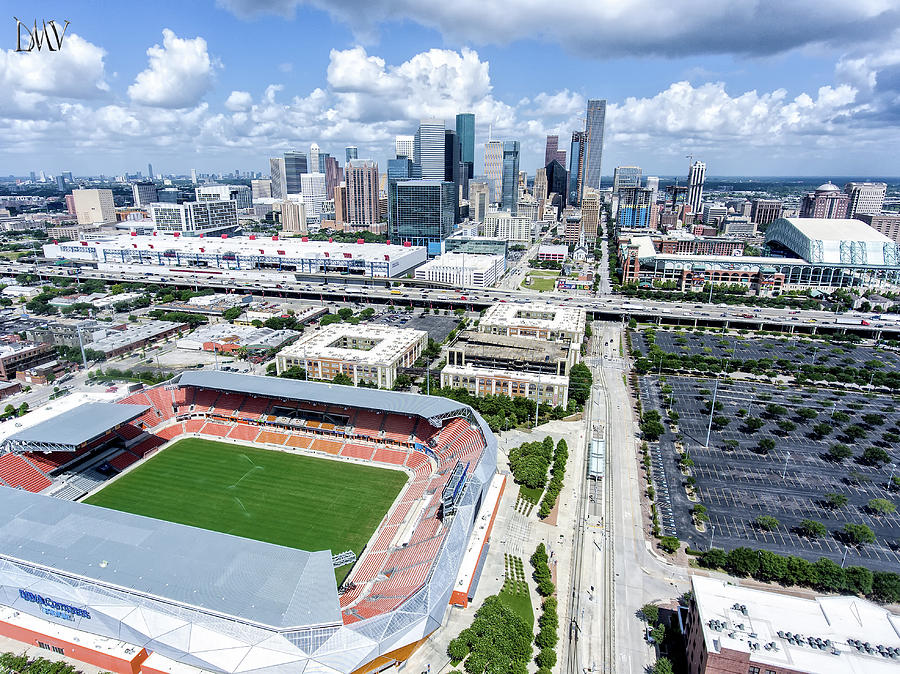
(179, 73)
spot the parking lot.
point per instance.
(437, 327)
(799, 351)
(737, 481)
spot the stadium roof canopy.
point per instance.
(73, 428)
(226, 575)
(834, 241)
(428, 407)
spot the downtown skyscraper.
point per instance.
(493, 168)
(465, 131)
(696, 178)
(295, 165)
(509, 197)
(594, 124)
(428, 149)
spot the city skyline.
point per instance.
(211, 86)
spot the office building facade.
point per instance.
(509, 196)
(240, 194)
(350, 152)
(635, 204)
(493, 168)
(209, 218)
(626, 176)
(428, 149)
(764, 211)
(479, 200)
(465, 131)
(362, 191)
(312, 186)
(404, 146)
(590, 216)
(865, 198)
(278, 177)
(576, 168)
(143, 193)
(594, 125)
(94, 207)
(334, 174)
(696, 178)
(453, 165)
(421, 211)
(557, 181)
(314, 159)
(261, 189)
(295, 165)
(540, 184)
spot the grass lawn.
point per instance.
(540, 280)
(291, 500)
(515, 590)
(530, 495)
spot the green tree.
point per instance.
(786, 425)
(742, 562)
(342, 379)
(807, 413)
(821, 430)
(858, 534)
(834, 500)
(580, 382)
(859, 579)
(294, 372)
(874, 456)
(830, 575)
(767, 522)
(650, 613)
(232, 313)
(772, 567)
(811, 528)
(880, 506)
(328, 319)
(714, 558)
(765, 445)
(670, 544)
(753, 424)
(345, 313)
(839, 452)
(886, 586)
(663, 666)
(23, 409)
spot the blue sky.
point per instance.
(752, 87)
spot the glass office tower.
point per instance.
(509, 193)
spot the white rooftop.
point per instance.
(467, 261)
(387, 343)
(752, 616)
(837, 229)
(535, 315)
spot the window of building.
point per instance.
(754, 670)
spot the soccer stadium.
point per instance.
(233, 523)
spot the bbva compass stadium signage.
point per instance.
(54, 608)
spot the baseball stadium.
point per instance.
(233, 523)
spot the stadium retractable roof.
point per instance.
(429, 407)
(227, 575)
(73, 428)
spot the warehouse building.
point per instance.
(464, 270)
(245, 252)
(228, 338)
(368, 353)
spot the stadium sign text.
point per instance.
(54, 608)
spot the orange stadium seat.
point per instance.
(17, 472)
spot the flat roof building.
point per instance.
(135, 336)
(369, 353)
(535, 320)
(249, 252)
(731, 628)
(228, 338)
(552, 253)
(832, 240)
(20, 356)
(94, 207)
(464, 270)
(209, 217)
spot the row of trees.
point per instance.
(548, 623)
(114, 374)
(558, 472)
(657, 360)
(722, 295)
(499, 411)
(22, 664)
(823, 575)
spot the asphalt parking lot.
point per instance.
(437, 327)
(798, 350)
(737, 482)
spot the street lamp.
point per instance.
(712, 535)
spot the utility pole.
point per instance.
(787, 457)
(81, 344)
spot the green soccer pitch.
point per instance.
(288, 499)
